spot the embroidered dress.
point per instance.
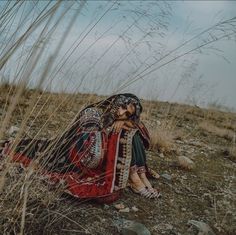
(91, 160)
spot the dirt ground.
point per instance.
(205, 193)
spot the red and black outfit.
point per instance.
(89, 158)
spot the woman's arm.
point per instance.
(122, 124)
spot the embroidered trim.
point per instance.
(93, 155)
(126, 159)
(90, 116)
(113, 187)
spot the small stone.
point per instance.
(166, 176)
(134, 208)
(125, 210)
(203, 228)
(169, 226)
(106, 207)
(206, 212)
(161, 155)
(155, 227)
(185, 162)
(183, 209)
(120, 206)
(13, 130)
(184, 177)
(129, 227)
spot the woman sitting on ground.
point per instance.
(99, 154)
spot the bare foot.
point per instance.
(136, 182)
(148, 185)
(145, 180)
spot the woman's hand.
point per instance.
(117, 126)
(129, 124)
(120, 124)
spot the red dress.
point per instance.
(92, 161)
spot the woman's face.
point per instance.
(126, 112)
(130, 109)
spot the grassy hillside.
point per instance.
(202, 191)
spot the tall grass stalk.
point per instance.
(50, 71)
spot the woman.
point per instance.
(98, 154)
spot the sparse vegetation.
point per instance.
(217, 131)
(48, 210)
(162, 140)
(29, 101)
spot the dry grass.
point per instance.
(23, 193)
(162, 140)
(232, 153)
(38, 113)
(36, 208)
(24, 196)
(215, 130)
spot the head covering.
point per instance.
(122, 100)
(111, 105)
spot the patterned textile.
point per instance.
(91, 160)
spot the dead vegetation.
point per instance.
(29, 204)
(23, 198)
(217, 131)
(161, 140)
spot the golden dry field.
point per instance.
(193, 149)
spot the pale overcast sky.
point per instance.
(130, 37)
